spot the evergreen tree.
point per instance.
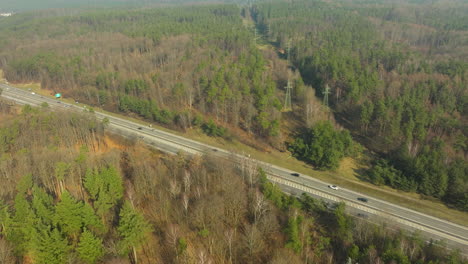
(133, 229)
(293, 233)
(42, 204)
(25, 183)
(430, 170)
(92, 183)
(90, 248)
(23, 224)
(323, 146)
(343, 223)
(50, 247)
(105, 188)
(90, 220)
(69, 215)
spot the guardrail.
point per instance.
(370, 209)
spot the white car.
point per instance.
(33, 93)
(334, 187)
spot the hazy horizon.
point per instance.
(29, 5)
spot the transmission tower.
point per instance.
(287, 99)
(325, 95)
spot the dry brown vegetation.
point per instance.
(201, 209)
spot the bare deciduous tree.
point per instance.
(229, 237)
(259, 206)
(202, 257)
(174, 188)
(253, 242)
(185, 202)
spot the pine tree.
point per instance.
(68, 214)
(90, 220)
(133, 229)
(23, 223)
(114, 184)
(105, 188)
(42, 204)
(92, 182)
(25, 183)
(50, 247)
(90, 248)
(293, 234)
(343, 223)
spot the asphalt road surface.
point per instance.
(375, 210)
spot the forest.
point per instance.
(398, 82)
(73, 193)
(396, 100)
(166, 65)
(29, 5)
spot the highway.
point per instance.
(456, 236)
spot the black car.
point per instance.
(362, 199)
(140, 128)
(295, 174)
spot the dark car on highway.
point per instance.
(362, 199)
(295, 174)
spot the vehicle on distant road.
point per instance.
(334, 187)
(140, 128)
(295, 174)
(33, 93)
(362, 199)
